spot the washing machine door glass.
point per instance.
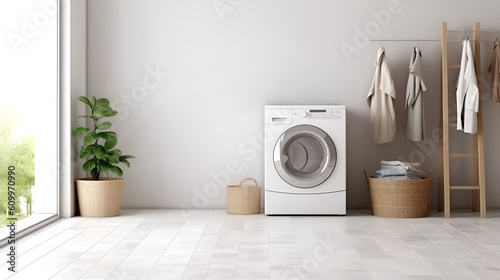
(305, 156)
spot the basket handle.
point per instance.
(248, 179)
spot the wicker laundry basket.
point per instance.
(395, 198)
(243, 200)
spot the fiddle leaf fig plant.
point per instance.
(98, 142)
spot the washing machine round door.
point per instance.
(305, 156)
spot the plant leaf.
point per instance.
(110, 144)
(115, 169)
(102, 102)
(86, 117)
(89, 139)
(85, 152)
(107, 135)
(116, 153)
(84, 100)
(81, 131)
(114, 156)
(95, 173)
(104, 165)
(126, 157)
(99, 152)
(110, 137)
(104, 125)
(93, 102)
(89, 165)
(124, 161)
(102, 112)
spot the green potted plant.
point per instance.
(100, 195)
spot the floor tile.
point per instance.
(210, 244)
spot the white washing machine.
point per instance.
(305, 160)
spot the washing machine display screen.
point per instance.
(305, 156)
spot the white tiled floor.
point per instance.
(209, 244)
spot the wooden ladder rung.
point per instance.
(464, 187)
(453, 124)
(454, 66)
(463, 155)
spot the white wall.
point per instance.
(220, 62)
(72, 84)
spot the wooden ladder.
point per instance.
(478, 177)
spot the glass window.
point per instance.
(28, 111)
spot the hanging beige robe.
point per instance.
(467, 92)
(415, 125)
(495, 73)
(381, 101)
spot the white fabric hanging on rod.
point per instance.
(415, 125)
(381, 101)
(467, 92)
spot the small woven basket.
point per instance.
(395, 198)
(243, 200)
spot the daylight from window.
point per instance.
(28, 110)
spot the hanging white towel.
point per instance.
(467, 92)
(415, 125)
(381, 101)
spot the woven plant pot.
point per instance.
(100, 198)
(395, 198)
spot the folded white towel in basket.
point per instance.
(399, 168)
(399, 163)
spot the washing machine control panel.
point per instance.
(322, 114)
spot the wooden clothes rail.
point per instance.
(477, 155)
